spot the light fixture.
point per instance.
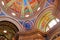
(26, 15)
(38, 9)
(13, 14)
(2, 3)
(5, 31)
(57, 20)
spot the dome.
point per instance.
(21, 9)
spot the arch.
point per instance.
(48, 15)
(19, 26)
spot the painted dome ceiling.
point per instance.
(25, 11)
(21, 9)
